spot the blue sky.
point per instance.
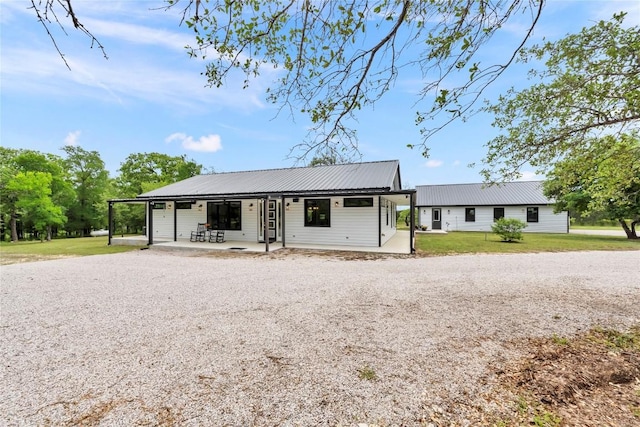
(149, 96)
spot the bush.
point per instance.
(509, 229)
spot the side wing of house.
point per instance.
(539, 218)
(473, 207)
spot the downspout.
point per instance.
(379, 221)
(175, 222)
(150, 228)
(110, 228)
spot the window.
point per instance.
(532, 214)
(470, 214)
(358, 202)
(436, 214)
(224, 215)
(317, 212)
(183, 205)
(157, 205)
(498, 213)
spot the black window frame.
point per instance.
(533, 214)
(159, 205)
(469, 214)
(358, 202)
(221, 217)
(183, 205)
(497, 216)
(313, 211)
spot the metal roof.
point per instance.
(353, 177)
(507, 193)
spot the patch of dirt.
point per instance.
(7, 259)
(589, 380)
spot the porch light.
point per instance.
(336, 204)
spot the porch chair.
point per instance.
(218, 236)
(200, 234)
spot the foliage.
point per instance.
(142, 172)
(323, 160)
(509, 229)
(60, 192)
(34, 202)
(602, 179)
(90, 178)
(591, 86)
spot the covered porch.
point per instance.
(398, 244)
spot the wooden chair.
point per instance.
(200, 234)
(217, 236)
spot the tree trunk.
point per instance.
(631, 232)
(14, 227)
(48, 233)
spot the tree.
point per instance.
(90, 179)
(591, 86)
(509, 229)
(23, 161)
(338, 57)
(34, 202)
(323, 160)
(602, 178)
(142, 172)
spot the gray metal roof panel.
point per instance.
(353, 176)
(508, 193)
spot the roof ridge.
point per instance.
(300, 167)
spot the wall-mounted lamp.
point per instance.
(200, 207)
(287, 206)
(448, 211)
(336, 204)
(250, 206)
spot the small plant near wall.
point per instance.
(509, 229)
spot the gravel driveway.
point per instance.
(155, 338)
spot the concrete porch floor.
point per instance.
(398, 244)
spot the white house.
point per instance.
(334, 205)
(474, 207)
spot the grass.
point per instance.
(36, 250)
(465, 242)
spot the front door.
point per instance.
(436, 221)
(272, 220)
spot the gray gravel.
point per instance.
(155, 338)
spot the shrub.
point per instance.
(509, 229)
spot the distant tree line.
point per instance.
(44, 195)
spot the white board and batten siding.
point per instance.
(349, 226)
(187, 221)
(453, 218)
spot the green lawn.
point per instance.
(460, 242)
(35, 250)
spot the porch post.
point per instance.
(412, 230)
(110, 227)
(150, 223)
(265, 213)
(282, 220)
(175, 222)
(379, 221)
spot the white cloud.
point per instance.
(72, 138)
(208, 143)
(529, 176)
(433, 163)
